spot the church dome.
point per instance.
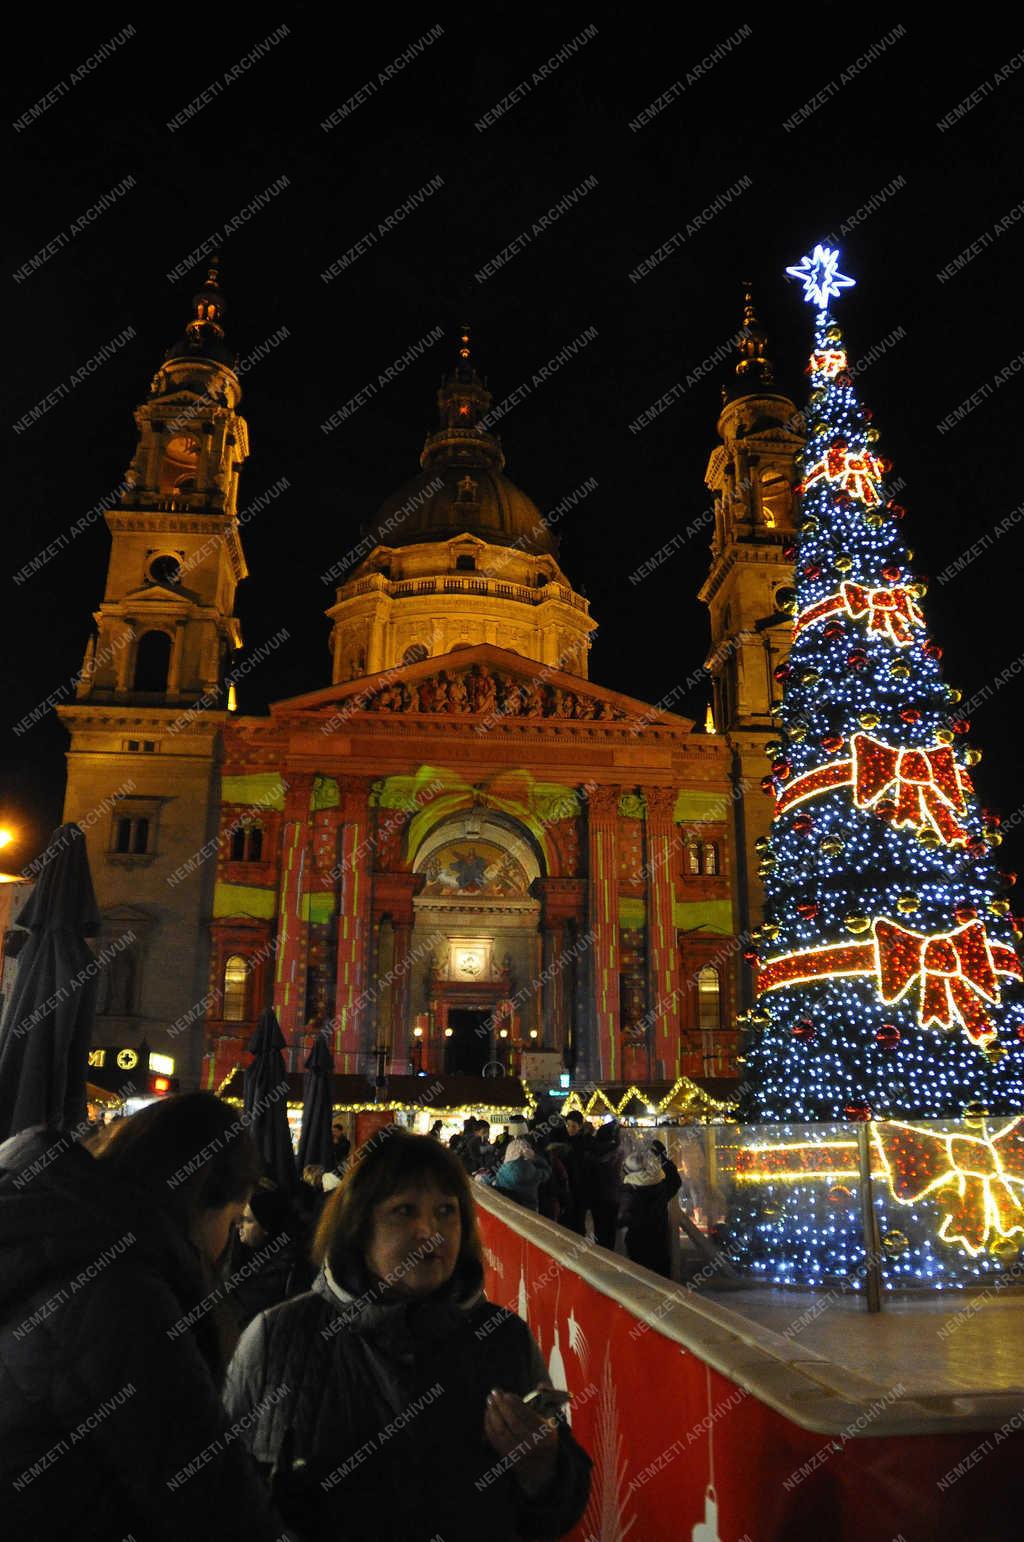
(462, 486)
(473, 496)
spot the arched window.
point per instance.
(236, 976)
(692, 857)
(152, 661)
(414, 654)
(710, 859)
(709, 998)
(776, 498)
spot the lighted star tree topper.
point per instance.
(889, 983)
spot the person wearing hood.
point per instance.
(389, 1398)
(520, 1175)
(114, 1333)
(268, 1259)
(603, 1183)
(644, 1211)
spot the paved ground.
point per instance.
(937, 1347)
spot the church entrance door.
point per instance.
(469, 1048)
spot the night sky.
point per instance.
(872, 140)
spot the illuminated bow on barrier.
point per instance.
(957, 972)
(978, 1180)
(854, 472)
(926, 785)
(892, 613)
(829, 362)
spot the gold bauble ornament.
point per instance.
(833, 334)
(810, 677)
(972, 756)
(763, 842)
(874, 521)
(994, 1053)
(999, 907)
(810, 524)
(929, 838)
(770, 929)
(769, 1211)
(869, 720)
(857, 924)
(908, 903)
(900, 671)
(895, 1242)
(797, 733)
(918, 590)
(1006, 1249)
(843, 563)
(831, 846)
(872, 435)
(994, 837)
(945, 735)
(954, 695)
(974, 1113)
(910, 554)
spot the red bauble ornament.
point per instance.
(782, 671)
(752, 957)
(833, 630)
(885, 809)
(965, 913)
(807, 908)
(976, 848)
(897, 510)
(811, 570)
(891, 573)
(1009, 879)
(789, 551)
(867, 414)
(991, 818)
(859, 1112)
(840, 1195)
(840, 444)
(933, 650)
(781, 768)
(857, 658)
(885, 464)
(888, 1036)
(962, 725)
(833, 743)
(768, 785)
(803, 824)
(910, 715)
(805, 1030)
(1020, 1030)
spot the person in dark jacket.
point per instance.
(113, 1331)
(603, 1182)
(672, 1175)
(644, 1211)
(389, 1397)
(520, 1175)
(269, 1262)
(554, 1196)
(575, 1159)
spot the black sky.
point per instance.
(727, 125)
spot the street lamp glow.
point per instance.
(6, 836)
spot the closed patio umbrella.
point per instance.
(315, 1141)
(47, 1024)
(265, 1098)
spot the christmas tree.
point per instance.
(889, 985)
(888, 978)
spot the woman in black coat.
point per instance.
(390, 1396)
(114, 1334)
(644, 1213)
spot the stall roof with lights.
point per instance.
(437, 1095)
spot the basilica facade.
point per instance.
(461, 851)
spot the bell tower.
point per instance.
(752, 474)
(165, 622)
(145, 729)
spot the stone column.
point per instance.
(603, 1050)
(664, 991)
(292, 911)
(354, 865)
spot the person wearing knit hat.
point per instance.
(268, 1263)
(644, 1210)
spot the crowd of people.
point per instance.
(569, 1172)
(185, 1346)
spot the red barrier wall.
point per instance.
(685, 1453)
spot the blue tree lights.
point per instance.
(889, 984)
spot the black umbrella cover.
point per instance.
(315, 1141)
(265, 1098)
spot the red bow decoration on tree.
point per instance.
(893, 612)
(977, 1179)
(854, 473)
(957, 972)
(926, 785)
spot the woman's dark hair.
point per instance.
(191, 1153)
(390, 1161)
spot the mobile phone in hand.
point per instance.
(547, 1401)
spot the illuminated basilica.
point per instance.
(461, 850)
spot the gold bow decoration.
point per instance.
(977, 1179)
